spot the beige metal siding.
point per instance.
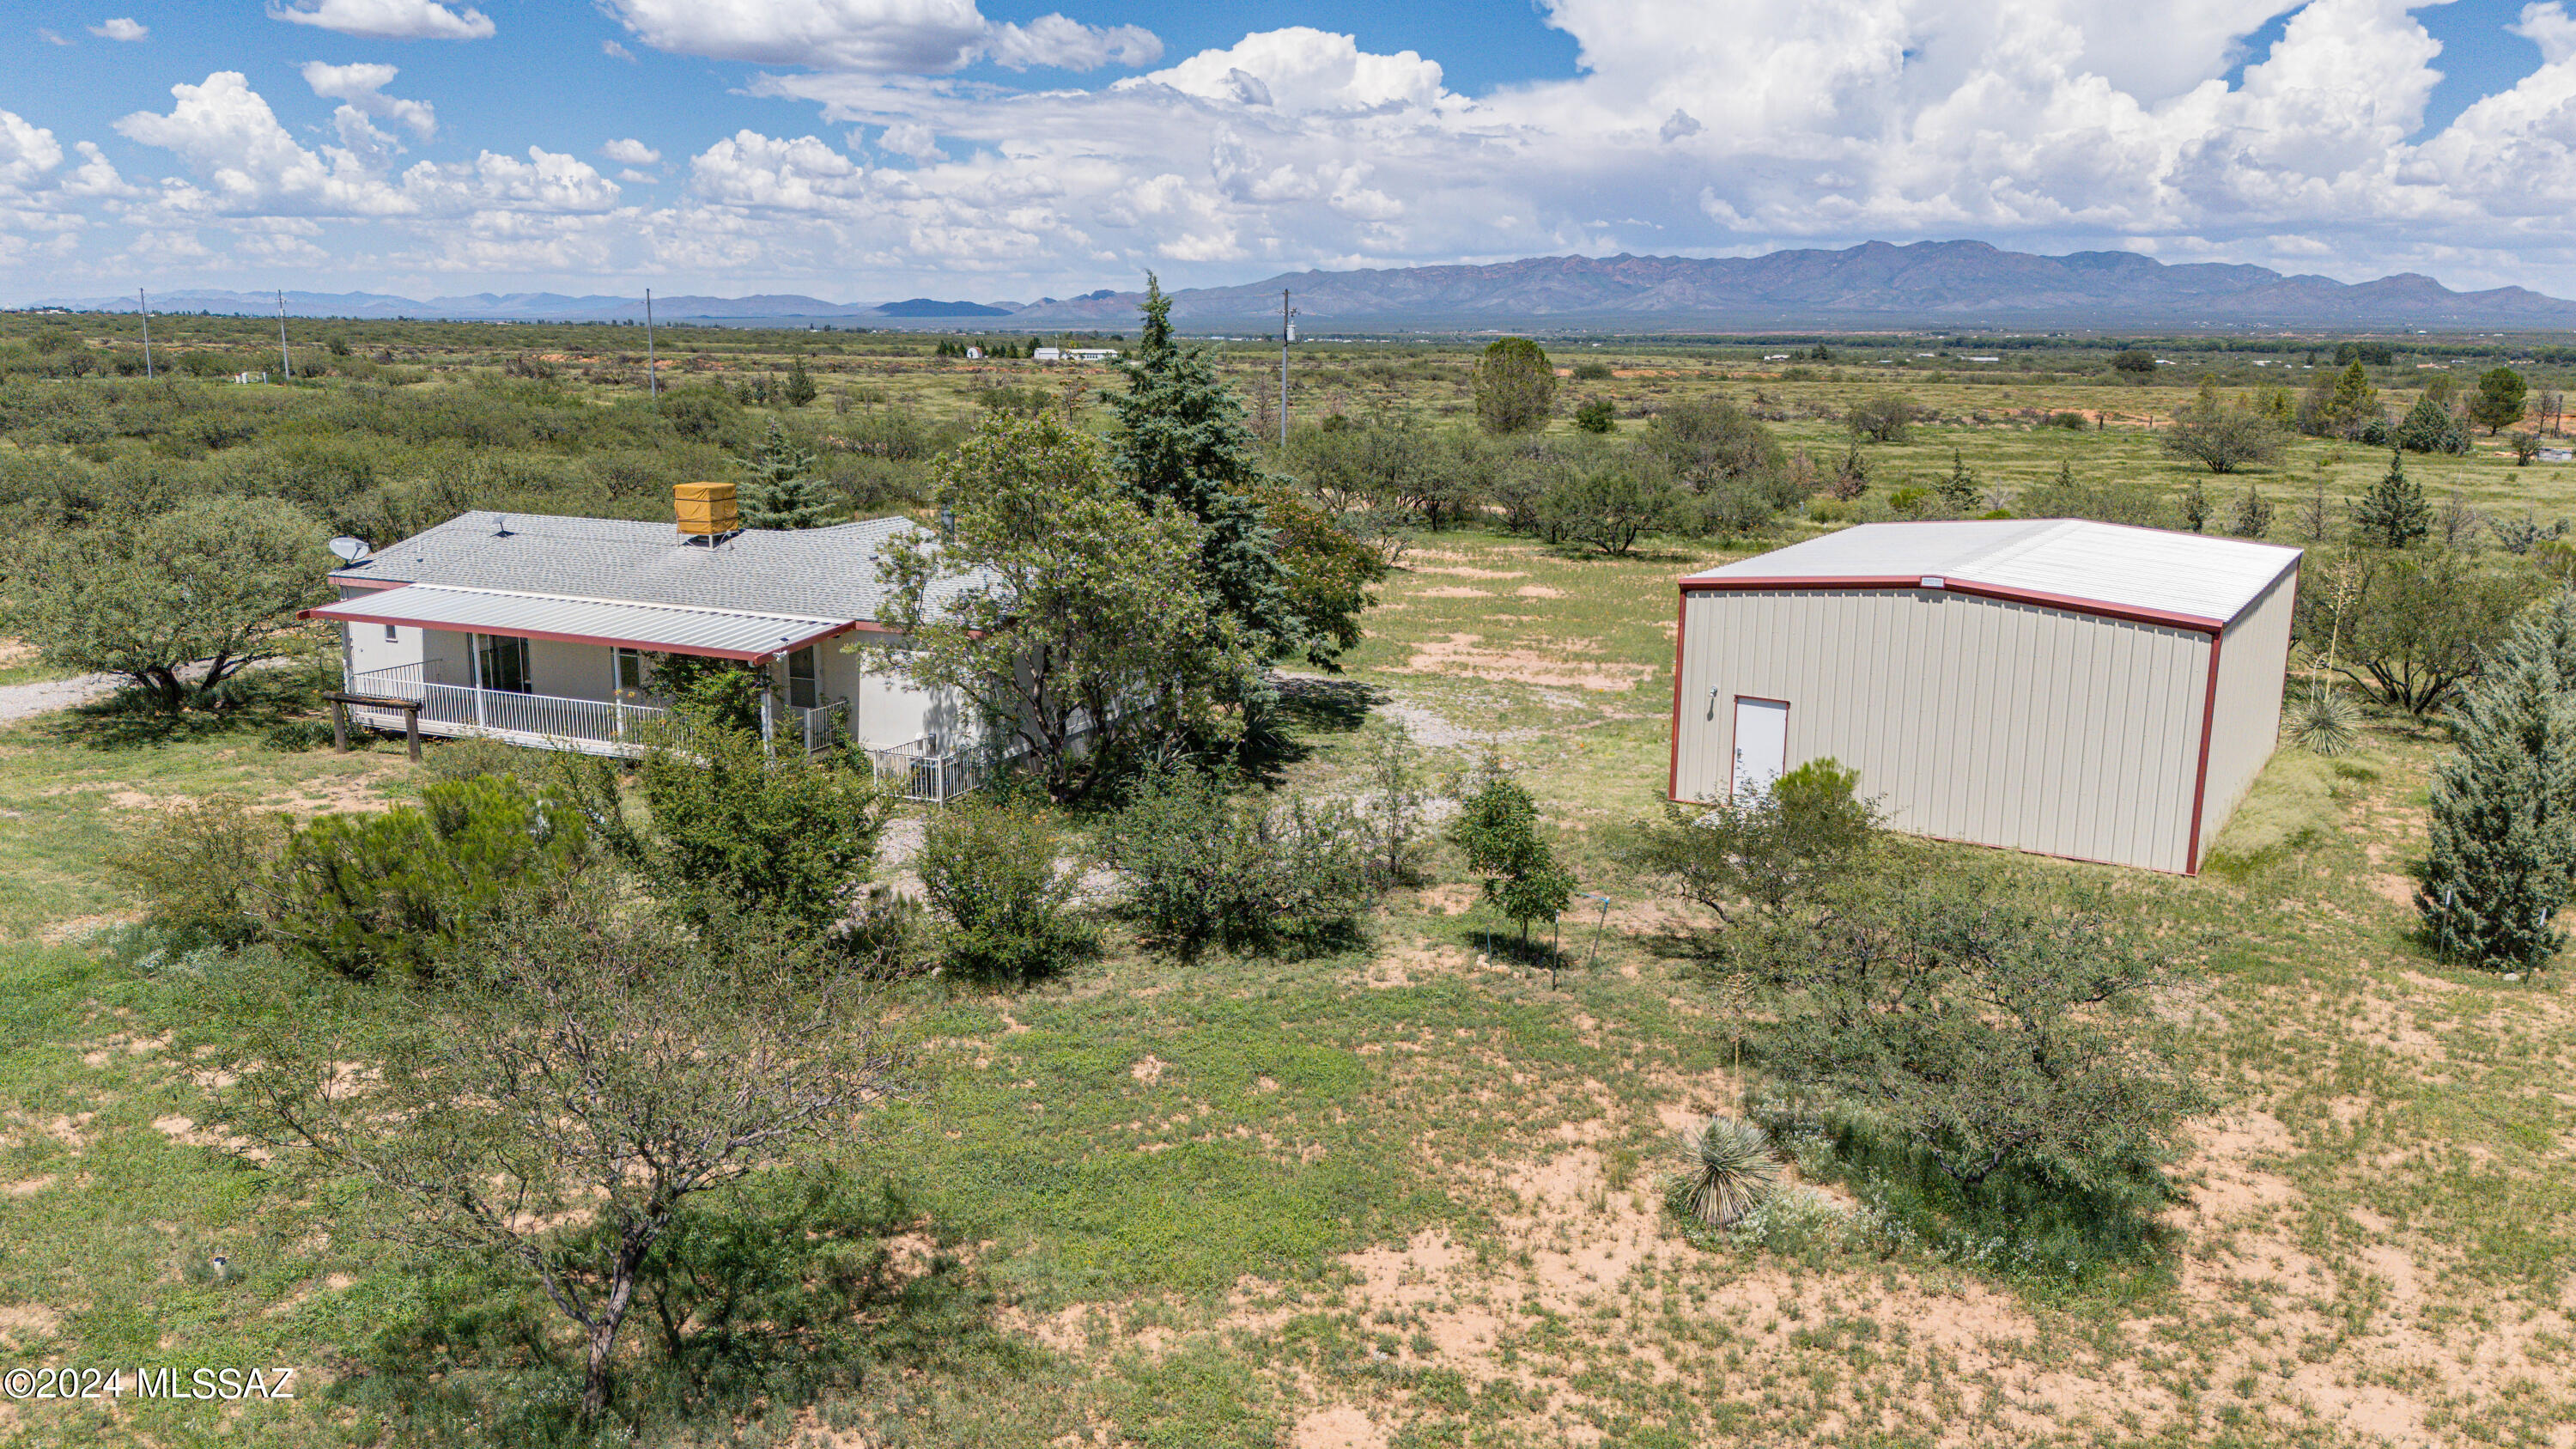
(1971, 719)
(2252, 658)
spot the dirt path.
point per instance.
(25, 701)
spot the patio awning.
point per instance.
(659, 628)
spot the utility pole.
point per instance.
(285, 359)
(652, 370)
(1287, 334)
(145, 305)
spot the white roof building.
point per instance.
(2067, 687)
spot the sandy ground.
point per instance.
(25, 701)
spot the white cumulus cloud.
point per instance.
(387, 19)
(1301, 69)
(362, 88)
(121, 29)
(630, 152)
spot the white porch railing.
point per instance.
(921, 773)
(547, 721)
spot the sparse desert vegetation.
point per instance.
(1328, 1156)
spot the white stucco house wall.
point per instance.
(537, 630)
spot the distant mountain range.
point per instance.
(1877, 284)
(538, 307)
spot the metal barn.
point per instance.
(2070, 688)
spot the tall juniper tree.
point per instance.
(2393, 514)
(1181, 438)
(2503, 823)
(781, 489)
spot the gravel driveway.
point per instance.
(25, 701)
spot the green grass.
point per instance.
(1215, 1200)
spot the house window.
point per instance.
(392, 634)
(630, 671)
(803, 690)
(504, 664)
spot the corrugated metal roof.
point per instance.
(2147, 570)
(815, 571)
(663, 628)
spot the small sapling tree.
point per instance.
(1497, 828)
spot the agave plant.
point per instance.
(1727, 1171)
(2325, 721)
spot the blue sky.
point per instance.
(861, 149)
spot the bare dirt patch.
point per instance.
(1460, 655)
(1453, 593)
(1537, 591)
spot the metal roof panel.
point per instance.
(2151, 570)
(661, 628)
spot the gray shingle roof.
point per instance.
(830, 572)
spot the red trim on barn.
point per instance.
(1914, 582)
(1681, 628)
(2200, 781)
(377, 585)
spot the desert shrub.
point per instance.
(1592, 371)
(1006, 911)
(1886, 417)
(1726, 1171)
(2324, 721)
(198, 867)
(1767, 854)
(467, 759)
(1611, 504)
(1254, 876)
(1597, 416)
(732, 830)
(295, 736)
(1987, 1066)
(391, 893)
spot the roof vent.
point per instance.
(705, 510)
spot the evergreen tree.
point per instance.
(2393, 514)
(2352, 404)
(781, 490)
(800, 384)
(2431, 427)
(2503, 823)
(1181, 438)
(1959, 492)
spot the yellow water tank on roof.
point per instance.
(705, 507)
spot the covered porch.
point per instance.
(551, 672)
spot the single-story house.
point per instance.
(539, 631)
(2051, 685)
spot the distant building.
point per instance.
(974, 354)
(1091, 354)
(250, 377)
(1047, 354)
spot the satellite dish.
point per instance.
(349, 549)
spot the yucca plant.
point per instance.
(1727, 1171)
(2325, 721)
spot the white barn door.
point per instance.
(1761, 744)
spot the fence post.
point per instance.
(340, 726)
(411, 731)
